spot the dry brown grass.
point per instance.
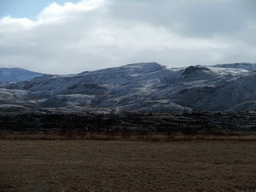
(88, 165)
(123, 136)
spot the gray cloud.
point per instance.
(189, 17)
(97, 34)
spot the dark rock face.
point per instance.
(194, 69)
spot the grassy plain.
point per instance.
(130, 163)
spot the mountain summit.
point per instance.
(17, 74)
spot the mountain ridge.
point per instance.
(141, 87)
(17, 74)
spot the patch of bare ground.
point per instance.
(126, 165)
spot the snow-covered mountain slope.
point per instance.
(246, 66)
(7, 95)
(146, 87)
(17, 74)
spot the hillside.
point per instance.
(142, 87)
(17, 74)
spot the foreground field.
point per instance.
(90, 165)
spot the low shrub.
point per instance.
(189, 130)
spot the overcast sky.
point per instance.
(63, 37)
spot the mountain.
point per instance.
(17, 74)
(141, 87)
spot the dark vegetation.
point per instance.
(128, 126)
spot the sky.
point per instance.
(72, 36)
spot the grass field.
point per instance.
(130, 163)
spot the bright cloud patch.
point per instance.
(90, 35)
(57, 13)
